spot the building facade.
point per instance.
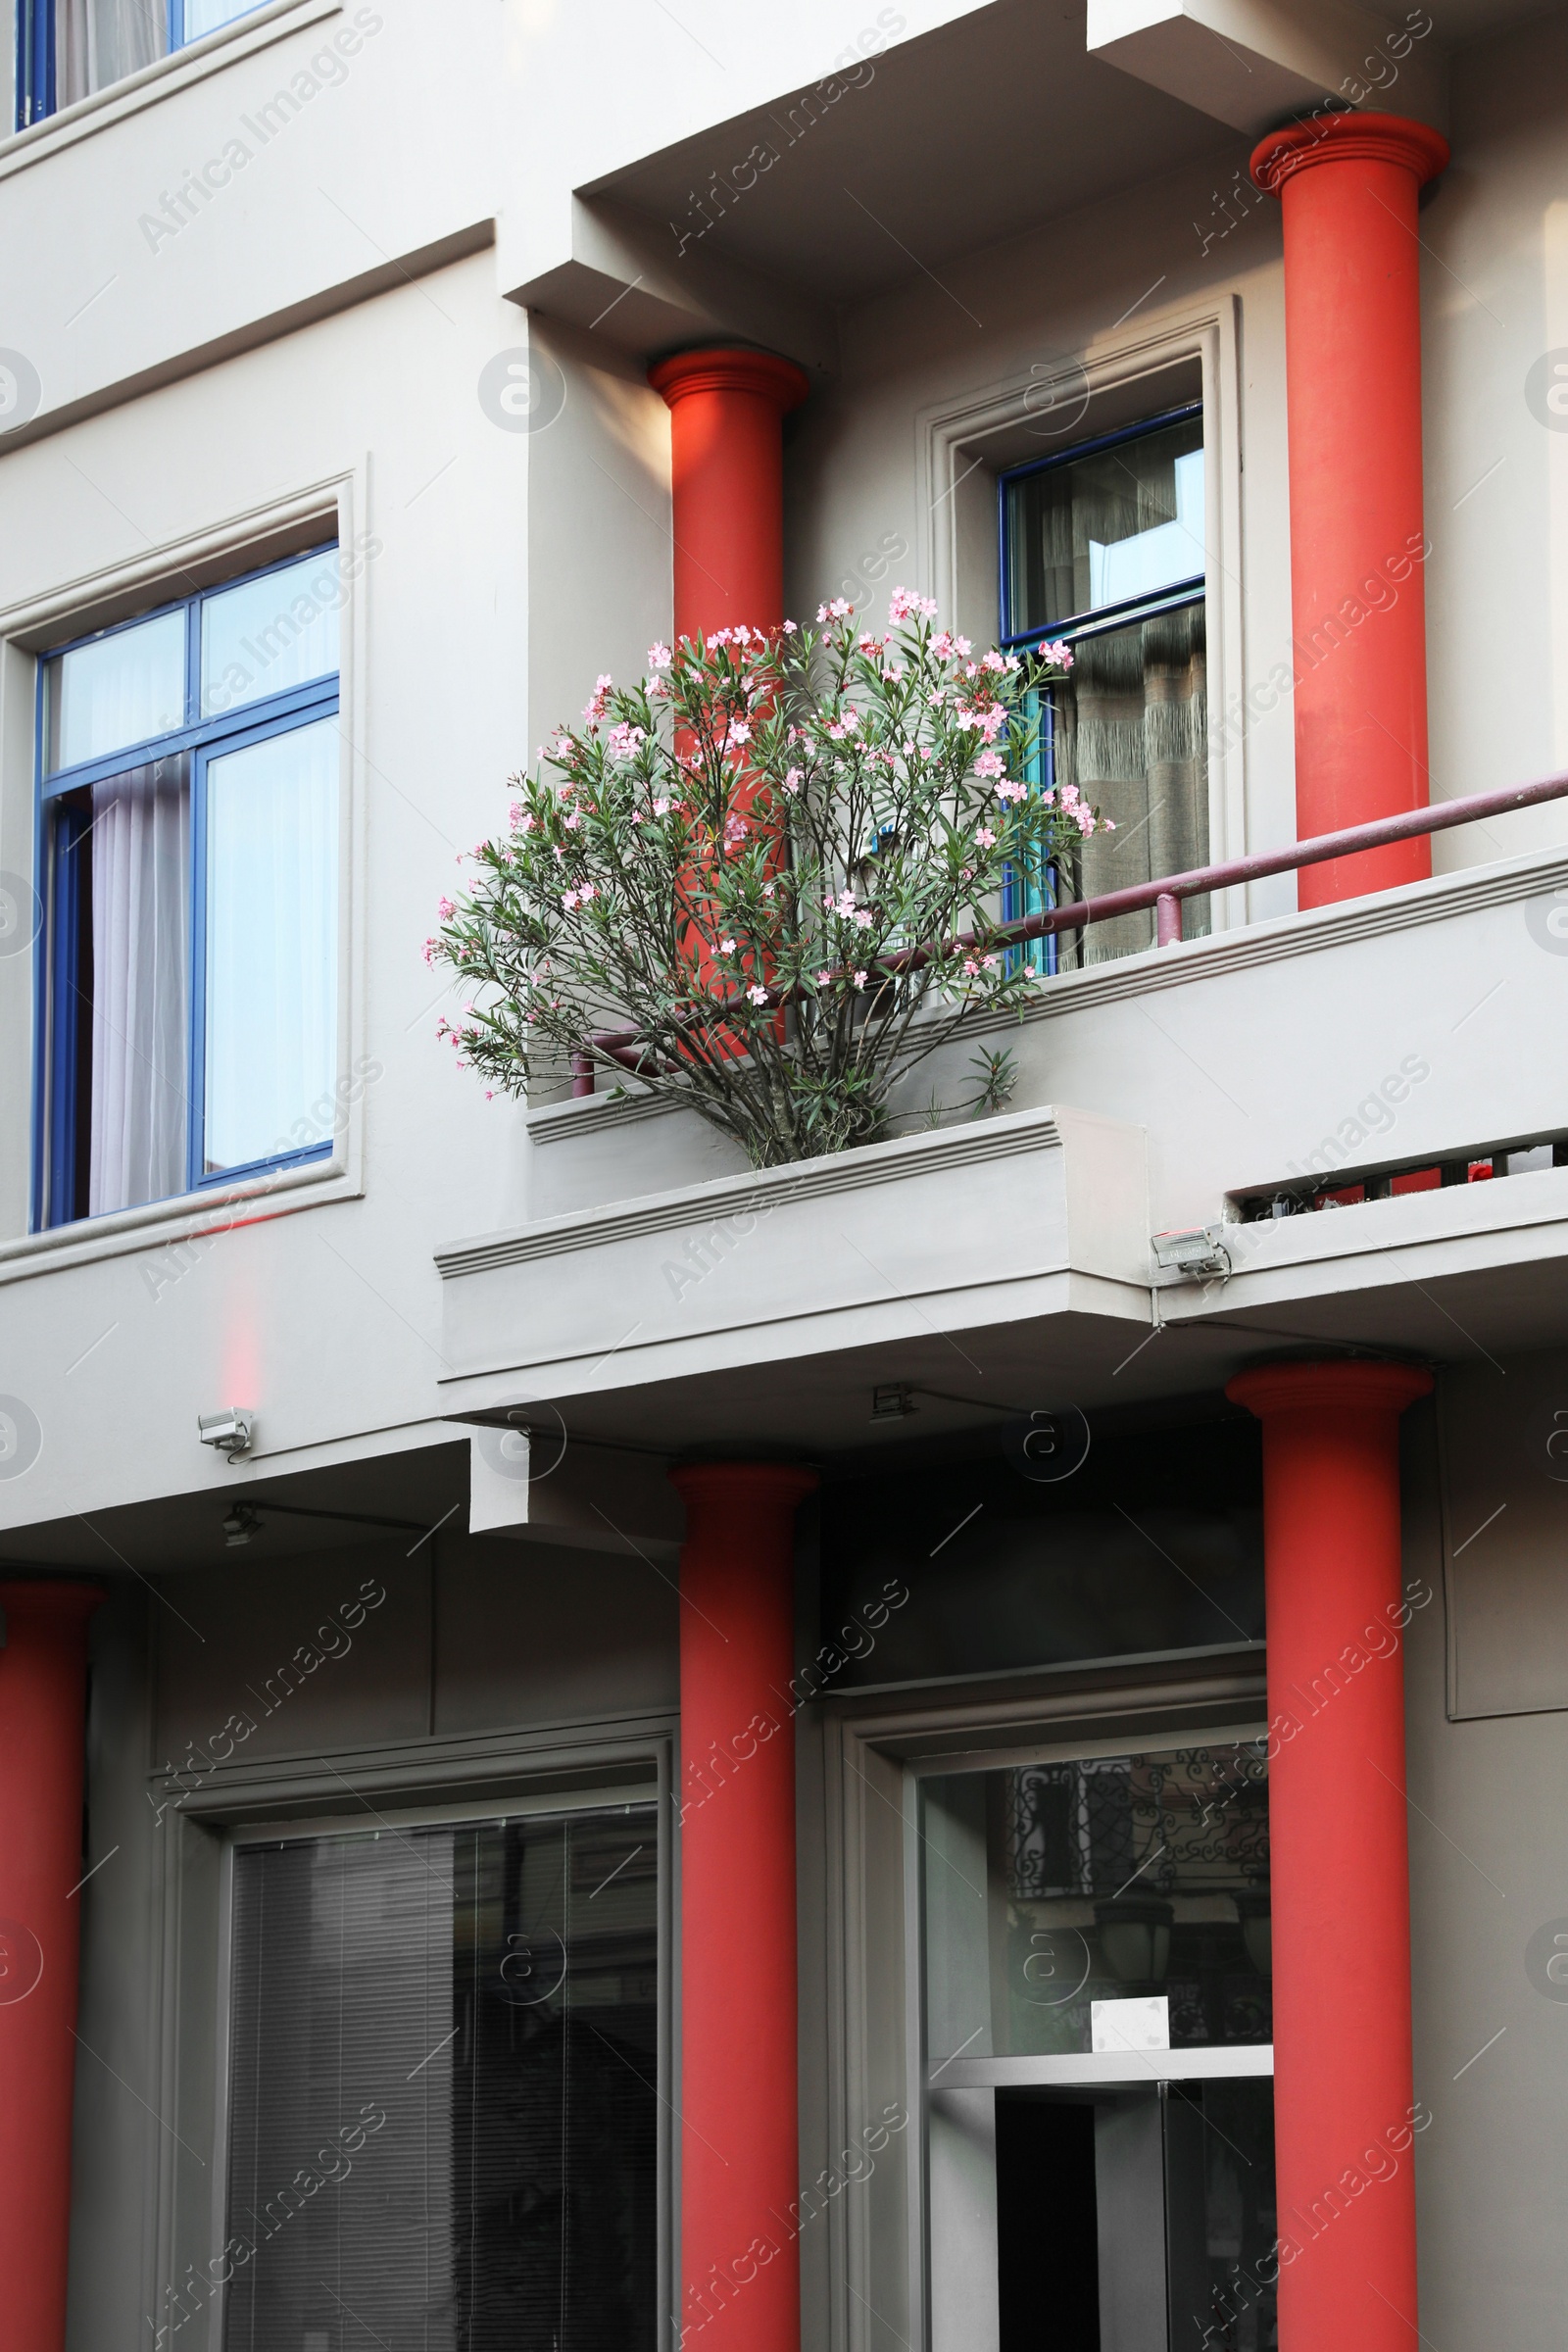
(953, 1746)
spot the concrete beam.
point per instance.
(624, 281)
(1254, 63)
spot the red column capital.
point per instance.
(730, 368)
(1349, 138)
(714, 1492)
(1352, 1385)
(42, 1685)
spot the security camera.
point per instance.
(230, 1432)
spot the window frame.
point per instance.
(55, 1108)
(35, 98)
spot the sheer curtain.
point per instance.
(1131, 734)
(100, 41)
(140, 985)
(272, 946)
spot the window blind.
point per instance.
(442, 2090)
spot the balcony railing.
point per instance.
(1164, 895)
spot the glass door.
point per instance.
(1098, 2066)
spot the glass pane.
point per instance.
(270, 635)
(1130, 732)
(206, 16)
(272, 946)
(120, 691)
(1051, 1890)
(119, 964)
(1150, 1543)
(100, 41)
(1106, 529)
(443, 2113)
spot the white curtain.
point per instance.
(140, 985)
(121, 689)
(272, 946)
(100, 41)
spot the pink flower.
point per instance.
(904, 605)
(863, 919)
(989, 764)
(789, 628)
(658, 657)
(839, 609)
(758, 995)
(822, 979)
(860, 979)
(1010, 789)
(986, 838)
(445, 910)
(992, 661)
(1056, 653)
(738, 731)
(792, 780)
(726, 947)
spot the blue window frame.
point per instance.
(1102, 547)
(188, 870)
(49, 74)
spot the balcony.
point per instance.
(1010, 1259)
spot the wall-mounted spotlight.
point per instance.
(231, 1432)
(1193, 1254)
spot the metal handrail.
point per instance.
(1164, 895)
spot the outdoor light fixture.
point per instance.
(241, 1524)
(1194, 1252)
(895, 1403)
(231, 1432)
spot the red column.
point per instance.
(42, 1692)
(1349, 185)
(727, 484)
(740, 2160)
(1338, 1832)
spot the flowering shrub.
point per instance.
(767, 876)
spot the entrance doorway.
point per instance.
(1099, 2110)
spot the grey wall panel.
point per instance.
(301, 1650)
(1488, 1803)
(526, 1632)
(1504, 1442)
(116, 2152)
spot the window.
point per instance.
(1103, 547)
(68, 48)
(189, 847)
(443, 2102)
